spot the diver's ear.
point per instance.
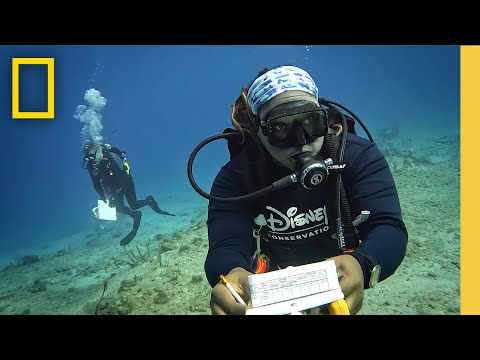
(337, 129)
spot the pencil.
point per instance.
(232, 290)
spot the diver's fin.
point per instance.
(153, 204)
(127, 239)
(165, 213)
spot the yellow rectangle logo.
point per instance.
(16, 113)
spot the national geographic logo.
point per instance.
(16, 113)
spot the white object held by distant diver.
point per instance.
(104, 212)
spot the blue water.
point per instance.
(163, 100)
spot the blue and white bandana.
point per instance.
(277, 81)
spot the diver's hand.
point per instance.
(111, 203)
(350, 276)
(222, 301)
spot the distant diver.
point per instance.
(111, 177)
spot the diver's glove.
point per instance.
(111, 202)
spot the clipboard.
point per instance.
(105, 212)
(294, 289)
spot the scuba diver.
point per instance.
(110, 174)
(306, 185)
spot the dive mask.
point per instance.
(294, 127)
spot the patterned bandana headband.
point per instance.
(277, 81)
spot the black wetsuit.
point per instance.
(300, 222)
(112, 180)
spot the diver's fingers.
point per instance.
(216, 309)
(354, 302)
(234, 308)
(223, 302)
(353, 294)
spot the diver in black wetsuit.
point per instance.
(112, 180)
(300, 187)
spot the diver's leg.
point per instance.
(131, 195)
(136, 216)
